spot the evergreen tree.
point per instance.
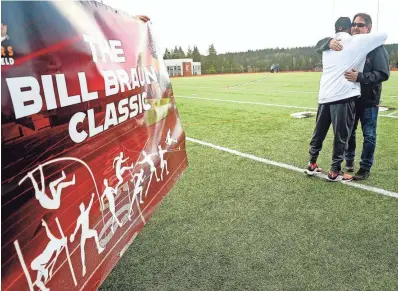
(196, 54)
(289, 59)
(189, 52)
(181, 53)
(167, 54)
(175, 54)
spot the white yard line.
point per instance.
(261, 104)
(292, 168)
(254, 81)
(392, 113)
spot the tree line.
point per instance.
(289, 59)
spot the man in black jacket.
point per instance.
(376, 70)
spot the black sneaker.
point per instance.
(362, 174)
(349, 166)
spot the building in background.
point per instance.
(182, 67)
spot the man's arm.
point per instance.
(365, 43)
(323, 45)
(328, 43)
(381, 69)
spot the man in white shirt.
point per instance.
(337, 95)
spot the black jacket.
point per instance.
(376, 70)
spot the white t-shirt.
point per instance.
(334, 86)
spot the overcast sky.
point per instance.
(244, 25)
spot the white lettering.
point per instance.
(123, 79)
(134, 76)
(7, 61)
(91, 43)
(76, 136)
(91, 124)
(64, 99)
(141, 76)
(123, 110)
(145, 105)
(106, 50)
(150, 75)
(86, 96)
(49, 94)
(110, 116)
(133, 106)
(117, 52)
(19, 97)
(111, 83)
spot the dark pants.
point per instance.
(342, 117)
(368, 118)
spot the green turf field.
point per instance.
(236, 223)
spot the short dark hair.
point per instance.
(365, 17)
(342, 24)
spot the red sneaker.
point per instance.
(334, 176)
(313, 169)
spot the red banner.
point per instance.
(91, 141)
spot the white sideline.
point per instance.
(262, 104)
(293, 168)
